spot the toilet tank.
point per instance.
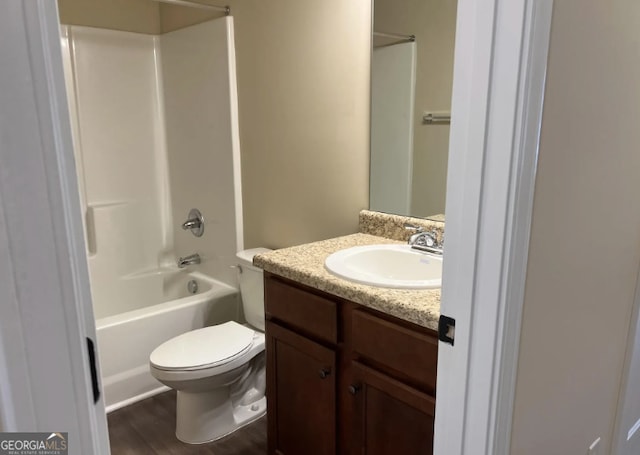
(252, 287)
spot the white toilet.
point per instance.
(218, 371)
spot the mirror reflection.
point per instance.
(411, 81)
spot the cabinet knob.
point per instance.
(354, 388)
(324, 372)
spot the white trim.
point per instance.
(499, 74)
(49, 310)
(633, 430)
(474, 32)
(621, 435)
(527, 138)
(15, 384)
(62, 177)
(142, 396)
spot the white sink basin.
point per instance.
(387, 266)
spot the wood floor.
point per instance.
(148, 427)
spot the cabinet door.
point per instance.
(301, 394)
(390, 417)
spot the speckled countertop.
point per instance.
(305, 264)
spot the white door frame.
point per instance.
(498, 92)
(45, 302)
(500, 61)
(625, 436)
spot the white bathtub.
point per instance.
(125, 340)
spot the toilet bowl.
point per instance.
(218, 371)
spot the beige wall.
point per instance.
(174, 17)
(141, 16)
(303, 89)
(585, 240)
(433, 22)
(303, 78)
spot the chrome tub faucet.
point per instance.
(189, 260)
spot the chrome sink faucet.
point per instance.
(424, 240)
(189, 260)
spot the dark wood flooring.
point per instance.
(148, 427)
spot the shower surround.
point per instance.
(155, 134)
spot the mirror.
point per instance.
(411, 81)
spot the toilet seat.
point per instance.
(203, 349)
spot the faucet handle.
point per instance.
(431, 239)
(191, 224)
(194, 223)
(426, 241)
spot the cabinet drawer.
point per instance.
(309, 313)
(410, 353)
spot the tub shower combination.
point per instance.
(155, 135)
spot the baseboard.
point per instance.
(142, 396)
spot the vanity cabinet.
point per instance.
(301, 337)
(345, 379)
(389, 417)
(302, 394)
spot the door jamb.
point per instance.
(498, 93)
(48, 316)
(620, 434)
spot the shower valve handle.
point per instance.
(191, 224)
(194, 223)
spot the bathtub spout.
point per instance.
(189, 260)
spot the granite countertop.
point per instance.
(305, 264)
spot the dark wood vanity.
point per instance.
(343, 378)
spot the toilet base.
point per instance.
(206, 417)
(212, 403)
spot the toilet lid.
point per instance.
(203, 348)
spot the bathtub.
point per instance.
(125, 340)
